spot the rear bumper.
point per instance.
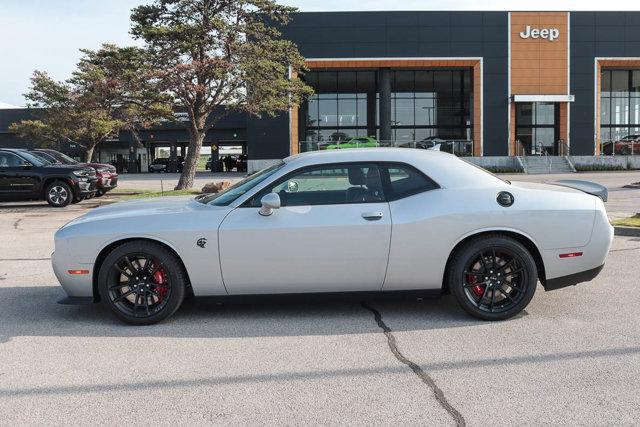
(571, 279)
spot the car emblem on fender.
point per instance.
(202, 242)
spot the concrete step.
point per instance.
(546, 164)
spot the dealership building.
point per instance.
(482, 84)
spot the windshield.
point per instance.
(36, 161)
(62, 158)
(44, 156)
(232, 193)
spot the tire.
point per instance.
(163, 288)
(58, 194)
(511, 275)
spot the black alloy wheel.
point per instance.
(58, 194)
(493, 278)
(142, 282)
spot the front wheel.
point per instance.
(58, 194)
(493, 277)
(142, 282)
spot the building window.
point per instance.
(338, 109)
(426, 105)
(431, 104)
(537, 128)
(619, 109)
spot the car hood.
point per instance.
(144, 208)
(65, 168)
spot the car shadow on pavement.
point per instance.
(33, 311)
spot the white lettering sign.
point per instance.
(550, 34)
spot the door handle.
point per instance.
(372, 216)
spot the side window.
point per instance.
(329, 185)
(407, 181)
(8, 160)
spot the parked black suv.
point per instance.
(24, 176)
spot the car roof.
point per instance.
(444, 168)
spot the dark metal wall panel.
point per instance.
(268, 138)
(595, 34)
(412, 34)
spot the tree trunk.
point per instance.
(191, 161)
(88, 153)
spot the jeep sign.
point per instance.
(546, 33)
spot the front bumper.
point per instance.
(85, 187)
(571, 279)
(106, 184)
(74, 285)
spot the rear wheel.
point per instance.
(493, 277)
(58, 194)
(142, 282)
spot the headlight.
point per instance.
(80, 173)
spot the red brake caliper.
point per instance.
(160, 276)
(477, 289)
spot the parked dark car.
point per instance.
(161, 164)
(106, 174)
(209, 165)
(24, 176)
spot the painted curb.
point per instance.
(627, 231)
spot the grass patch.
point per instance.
(633, 221)
(202, 161)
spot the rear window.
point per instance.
(406, 181)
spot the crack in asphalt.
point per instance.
(424, 377)
(624, 249)
(16, 224)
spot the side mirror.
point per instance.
(269, 202)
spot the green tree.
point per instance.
(95, 104)
(209, 57)
(121, 77)
(69, 113)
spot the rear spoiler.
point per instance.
(585, 186)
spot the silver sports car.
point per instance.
(371, 219)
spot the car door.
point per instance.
(15, 178)
(331, 234)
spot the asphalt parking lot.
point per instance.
(572, 358)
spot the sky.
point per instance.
(46, 35)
